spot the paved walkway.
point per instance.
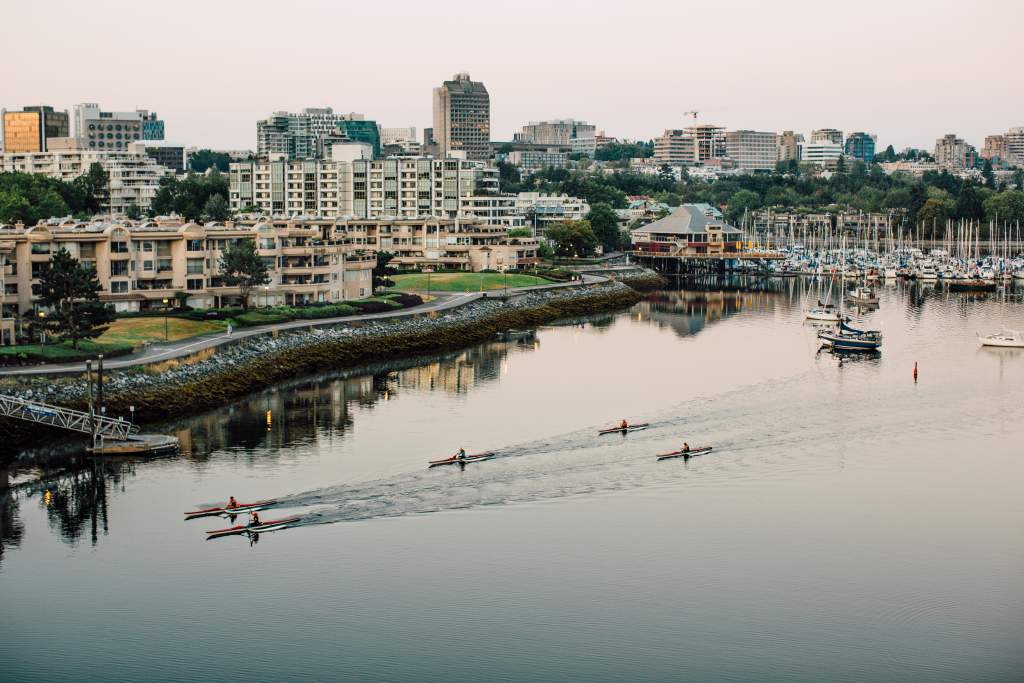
(157, 353)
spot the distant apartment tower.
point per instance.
(752, 150)
(789, 145)
(827, 135)
(307, 134)
(30, 129)
(995, 148)
(860, 146)
(953, 153)
(580, 136)
(462, 118)
(1015, 146)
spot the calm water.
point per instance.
(851, 524)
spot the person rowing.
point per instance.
(623, 424)
(460, 454)
(685, 448)
(254, 518)
(232, 503)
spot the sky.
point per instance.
(906, 70)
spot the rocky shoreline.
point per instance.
(234, 371)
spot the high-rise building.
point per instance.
(860, 146)
(1015, 146)
(789, 145)
(823, 152)
(953, 153)
(30, 129)
(752, 150)
(827, 135)
(462, 118)
(356, 130)
(995, 148)
(580, 136)
(309, 133)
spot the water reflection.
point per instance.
(708, 300)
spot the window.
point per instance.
(40, 247)
(194, 284)
(194, 245)
(118, 247)
(147, 265)
(147, 246)
(119, 287)
(118, 268)
(195, 265)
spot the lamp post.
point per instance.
(266, 296)
(42, 331)
(166, 302)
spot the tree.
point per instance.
(573, 239)
(932, 214)
(741, 202)
(520, 232)
(206, 158)
(94, 187)
(72, 293)
(133, 212)
(1005, 207)
(380, 270)
(241, 266)
(605, 224)
(217, 209)
(986, 173)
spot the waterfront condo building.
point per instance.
(954, 154)
(134, 174)
(752, 150)
(32, 128)
(462, 118)
(860, 146)
(407, 187)
(141, 264)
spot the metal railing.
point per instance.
(66, 418)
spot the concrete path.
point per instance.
(157, 353)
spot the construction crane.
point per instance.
(692, 113)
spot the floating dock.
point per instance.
(139, 444)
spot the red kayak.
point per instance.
(262, 527)
(685, 454)
(623, 430)
(476, 457)
(242, 507)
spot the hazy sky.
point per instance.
(907, 70)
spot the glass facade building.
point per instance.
(860, 146)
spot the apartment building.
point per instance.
(31, 129)
(953, 153)
(140, 265)
(995, 148)
(789, 146)
(462, 118)
(690, 146)
(407, 187)
(532, 160)
(495, 210)
(543, 210)
(752, 150)
(832, 135)
(134, 175)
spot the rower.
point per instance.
(460, 454)
(686, 447)
(254, 518)
(623, 424)
(232, 503)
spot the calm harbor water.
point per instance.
(850, 525)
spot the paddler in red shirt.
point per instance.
(232, 503)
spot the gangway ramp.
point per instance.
(66, 418)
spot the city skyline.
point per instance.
(803, 66)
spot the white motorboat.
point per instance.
(1004, 338)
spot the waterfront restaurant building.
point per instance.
(692, 230)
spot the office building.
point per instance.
(954, 154)
(307, 134)
(174, 157)
(860, 146)
(532, 160)
(580, 136)
(134, 174)
(827, 135)
(462, 118)
(823, 152)
(394, 136)
(98, 129)
(752, 150)
(690, 146)
(31, 129)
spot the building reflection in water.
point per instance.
(11, 528)
(306, 410)
(704, 301)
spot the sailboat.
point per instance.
(1004, 338)
(850, 338)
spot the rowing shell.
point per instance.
(477, 457)
(685, 454)
(620, 430)
(242, 507)
(269, 525)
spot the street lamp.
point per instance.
(266, 296)
(42, 331)
(166, 302)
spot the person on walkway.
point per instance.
(229, 329)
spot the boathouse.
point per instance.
(690, 230)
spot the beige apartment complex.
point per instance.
(752, 150)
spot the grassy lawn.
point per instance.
(464, 282)
(63, 353)
(137, 331)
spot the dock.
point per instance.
(138, 444)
